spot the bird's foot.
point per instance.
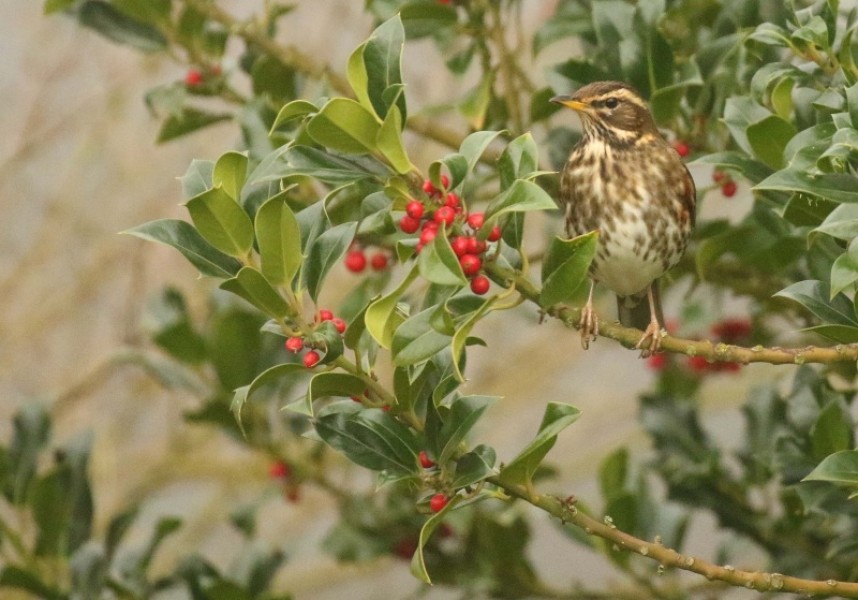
(589, 325)
(653, 334)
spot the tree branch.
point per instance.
(566, 511)
(712, 351)
(303, 63)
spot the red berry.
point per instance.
(425, 461)
(459, 245)
(279, 470)
(438, 502)
(405, 548)
(311, 359)
(356, 261)
(378, 261)
(681, 148)
(409, 224)
(480, 285)
(445, 181)
(294, 344)
(325, 315)
(657, 362)
(729, 189)
(729, 367)
(414, 209)
(429, 225)
(452, 200)
(193, 77)
(445, 214)
(429, 187)
(699, 364)
(427, 235)
(494, 234)
(718, 175)
(476, 220)
(339, 324)
(471, 264)
(418, 247)
(355, 398)
(476, 246)
(732, 330)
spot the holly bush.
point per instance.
(756, 93)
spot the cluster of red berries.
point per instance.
(356, 259)
(682, 148)
(725, 182)
(468, 247)
(296, 344)
(728, 331)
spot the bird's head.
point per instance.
(610, 107)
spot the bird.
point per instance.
(626, 181)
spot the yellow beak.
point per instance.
(571, 103)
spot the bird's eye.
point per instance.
(612, 102)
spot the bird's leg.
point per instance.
(589, 323)
(652, 331)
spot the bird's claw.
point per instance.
(653, 333)
(589, 325)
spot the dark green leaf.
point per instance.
(816, 297)
(369, 437)
(32, 431)
(519, 159)
(88, 571)
(197, 179)
(768, 138)
(251, 285)
(421, 19)
(270, 375)
(324, 253)
(187, 121)
(474, 466)
(119, 27)
(565, 267)
(832, 431)
(382, 54)
(183, 237)
(22, 579)
(416, 340)
(458, 422)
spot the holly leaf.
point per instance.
(565, 268)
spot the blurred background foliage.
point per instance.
(757, 94)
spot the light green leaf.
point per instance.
(565, 267)
(183, 237)
(330, 384)
(381, 318)
(460, 338)
(279, 240)
(439, 264)
(840, 467)
(295, 109)
(390, 142)
(230, 171)
(519, 159)
(251, 285)
(222, 222)
(345, 126)
(556, 418)
(416, 340)
(522, 196)
(197, 179)
(837, 187)
(844, 271)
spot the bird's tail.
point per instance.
(633, 311)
